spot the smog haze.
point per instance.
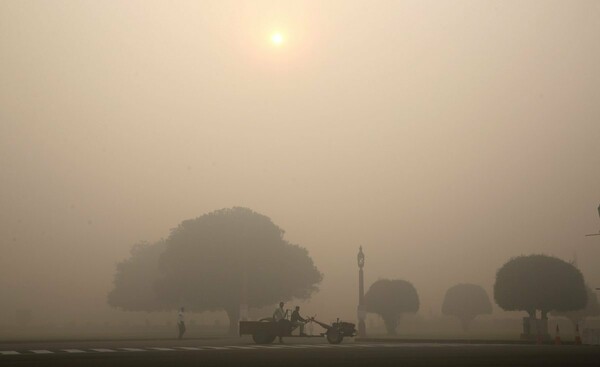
(443, 137)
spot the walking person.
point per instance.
(279, 317)
(181, 322)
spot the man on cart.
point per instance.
(298, 321)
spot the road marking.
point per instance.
(234, 347)
(297, 346)
(321, 346)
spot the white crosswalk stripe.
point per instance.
(211, 347)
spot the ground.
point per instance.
(295, 352)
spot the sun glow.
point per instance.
(277, 39)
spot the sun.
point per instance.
(277, 39)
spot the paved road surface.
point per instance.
(296, 352)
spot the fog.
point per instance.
(443, 136)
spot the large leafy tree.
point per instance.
(135, 279)
(539, 282)
(390, 299)
(466, 301)
(591, 309)
(209, 261)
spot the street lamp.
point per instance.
(362, 310)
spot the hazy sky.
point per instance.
(443, 136)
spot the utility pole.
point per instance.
(362, 310)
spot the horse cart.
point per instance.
(266, 330)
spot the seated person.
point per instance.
(297, 320)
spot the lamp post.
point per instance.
(244, 297)
(361, 311)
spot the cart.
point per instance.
(266, 330)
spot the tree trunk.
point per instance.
(233, 313)
(391, 323)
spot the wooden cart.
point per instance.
(266, 330)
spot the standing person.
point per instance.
(298, 320)
(279, 317)
(181, 322)
(279, 313)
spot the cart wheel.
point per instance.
(334, 336)
(262, 337)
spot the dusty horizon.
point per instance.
(443, 137)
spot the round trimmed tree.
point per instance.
(390, 299)
(231, 256)
(539, 282)
(465, 302)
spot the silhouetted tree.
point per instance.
(390, 299)
(134, 283)
(591, 309)
(539, 282)
(466, 301)
(207, 261)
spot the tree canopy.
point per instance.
(208, 260)
(591, 309)
(390, 299)
(134, 283)
(466, 301)
(539, 282)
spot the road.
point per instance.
(295, 352)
